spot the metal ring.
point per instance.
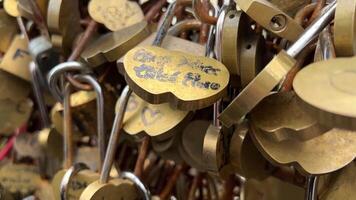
(132, 177)
(54, 74)
(66, 180)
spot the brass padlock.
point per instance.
(112, 46)
(273, 73)
(273, 19)
(63, 22)
(104, 188)
(8, 30)
(16, 57)
(115, 15)
(344, 28)
(271, 188)
(157, 121)
(186, 81)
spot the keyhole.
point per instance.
(278, 22)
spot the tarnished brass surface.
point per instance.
(341, 184)
(273, 19)
(8, 30)
(169, 43)
(63, 21)
(115, 15)
(271, 189)
(77, 186)
(281, 117)
(244, 157)
(323, 154)
(17, 58)
(116, 189)
(290, 7)
(10, 7)
(114, 45)
(328, 92)
(187, 82)
(235, 28)
(345, 28)
(251, 57)
(158, 121)
(191, 143)
(259, 88)
(20, 179)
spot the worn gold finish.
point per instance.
(78, 183)
(259, 88)
(191, 143)
(114, 45)
(169, 43)
(15, 107)
(323, 154)
(215, 143)
(271, 189)
(63, 22)
(341, 184)
(328, 92)
(187, 82)
(280, 116)
(251, 56)
(115, 15)
(158, 121)
(8, 30)
(19, 178)
(290, 7)
(51, 143)
(17, 59)
(10, 7)
(244, 157)
(115, 189)
(235, 28)
(273, 19)
(345, 28)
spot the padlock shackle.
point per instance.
(54, 75)
(114, 135)
(132, 177)
(311, 193)
(165, 24)
(36, 85)
(100, 105)
(184, 25)
(67, 127)
(313, 30)
(326, 45)
(67, 177)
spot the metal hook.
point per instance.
(54, 74)
(71, 172)
(114, 135)
(132, 177)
